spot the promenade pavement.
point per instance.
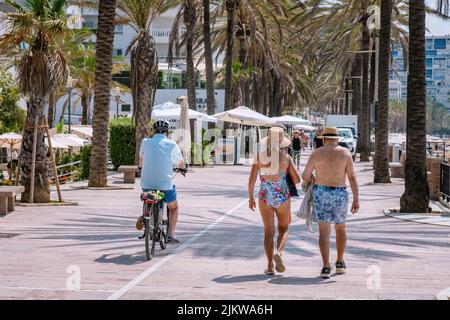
(91, 251)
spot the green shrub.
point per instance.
(122, 141)
(85, 155)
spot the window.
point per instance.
(429, 62)
(90, 25)
(440, 43)
(395, 53)
(126, 108)
(429, 44)
(431, 52)
(429, 83)
(118, 52)
(119, 29)
(439, 63)
(439, 74)
(429, 74)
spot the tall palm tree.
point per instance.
(364, 118)
(231, 7)
(417, 191)
(381, 161)
(139, 14)
(37, 23)
(103, 55)
(210, 100)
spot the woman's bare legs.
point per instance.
(284, 218)
(267, 214)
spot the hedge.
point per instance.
(85, 154)
(122, 141)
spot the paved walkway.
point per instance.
(46, 250)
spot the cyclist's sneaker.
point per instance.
(340, 267)
(172, 240)
(140, 223)
(325, 272)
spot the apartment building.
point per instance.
(437, 71)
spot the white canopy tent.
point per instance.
(288, 119)
(170, 110)
(305, 127)
(245, 116)
(64, 141)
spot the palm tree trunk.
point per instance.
(51, 109)
(356, 86)
(189, 19)
(144, 75)
(231, 7)
(210, 99)
(103, 67)
(41, 185)
(416, 197)
(381, 161)
(347, 96)
(85, 104)
(364, 118)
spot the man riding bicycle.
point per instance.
(157, 158)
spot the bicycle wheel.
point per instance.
(164, 228)
(150, 241)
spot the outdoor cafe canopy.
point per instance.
(12, 140)
(170, 110)
(245, 116)
(288, 119)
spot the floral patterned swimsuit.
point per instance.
(274, 192)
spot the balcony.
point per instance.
(161, 35)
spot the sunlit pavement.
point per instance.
(91, 251)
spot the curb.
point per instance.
(443, 295)
(403, 217)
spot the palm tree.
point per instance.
(381, 161)
(139, 14)
(364, 118)
(103, 56)
(37, 23)
(210, 100)
(231, 7)
(417, 191)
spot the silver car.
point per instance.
(347, 140)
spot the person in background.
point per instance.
(296, 145)
(311, 139)
(317, 140)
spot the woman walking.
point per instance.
(273, 164)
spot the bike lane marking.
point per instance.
(127, 287)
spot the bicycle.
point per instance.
(156, 219)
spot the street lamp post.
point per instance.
(69, 85)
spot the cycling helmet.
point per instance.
(161, 126)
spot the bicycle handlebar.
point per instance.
(180, 170)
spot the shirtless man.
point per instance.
(331, 164)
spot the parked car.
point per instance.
(347, 140)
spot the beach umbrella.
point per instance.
(185, 129)
(288, 119)
(12, 140)
(170, 110)
(245, 116)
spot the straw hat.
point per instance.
(276, 135)
(330, 133)
(295, 131)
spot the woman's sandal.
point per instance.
(269, 272)
(279, 265)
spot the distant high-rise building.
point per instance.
(437, 71)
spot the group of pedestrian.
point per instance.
(327, 169)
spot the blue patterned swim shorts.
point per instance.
(330, 204)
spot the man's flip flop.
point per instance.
(268, 272)
(279, 266)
